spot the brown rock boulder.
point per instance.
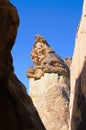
(17, 111)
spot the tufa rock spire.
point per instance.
(49, 85)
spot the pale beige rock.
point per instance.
(78, 78)
(50, 95)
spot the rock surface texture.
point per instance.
(49, 85)
(17, 111)
(68, 62)
(78, 78)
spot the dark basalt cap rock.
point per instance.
(46, 60)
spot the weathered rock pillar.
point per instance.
(49, 86)
(78, 78)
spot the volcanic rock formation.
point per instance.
(17, 111)
(49, 85)
(49, 81)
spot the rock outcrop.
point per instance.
(17, 111)
(68, 62)
(46, 60)
(49, 85)
(78, 78)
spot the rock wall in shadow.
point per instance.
(17, 111)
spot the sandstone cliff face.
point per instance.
(49, 86)
(17, 111)
(78, 78)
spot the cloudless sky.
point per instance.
(56, 20)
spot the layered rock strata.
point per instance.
(78, 78)
(17, 111)
(49, 85)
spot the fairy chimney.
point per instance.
(49, 85)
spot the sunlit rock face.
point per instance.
(78, 78)
(17, 111)
(49, 85)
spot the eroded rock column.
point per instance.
(49, 86)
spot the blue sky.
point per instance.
(56, 20)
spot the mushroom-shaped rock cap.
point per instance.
(45, 59)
